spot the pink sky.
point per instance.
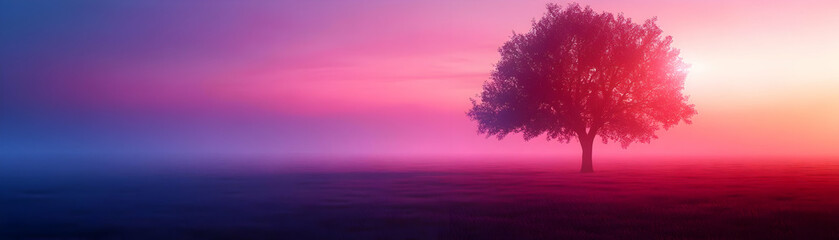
(763, 78)
(394, 78)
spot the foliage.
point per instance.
(579, 73)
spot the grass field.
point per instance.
(434, 199)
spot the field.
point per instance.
(426, 199)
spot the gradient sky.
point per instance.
(380, 77)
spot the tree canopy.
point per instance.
(580, 74)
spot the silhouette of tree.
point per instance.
(581, 74)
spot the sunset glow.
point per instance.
(407, 119)
(281, 78)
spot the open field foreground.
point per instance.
(380, 199)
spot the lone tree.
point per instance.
(581, 74)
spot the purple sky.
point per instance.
(383, 78)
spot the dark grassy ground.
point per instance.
(508, 199)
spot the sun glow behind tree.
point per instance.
(272, 78)
(581, 74)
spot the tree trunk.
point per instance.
(587, 144)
